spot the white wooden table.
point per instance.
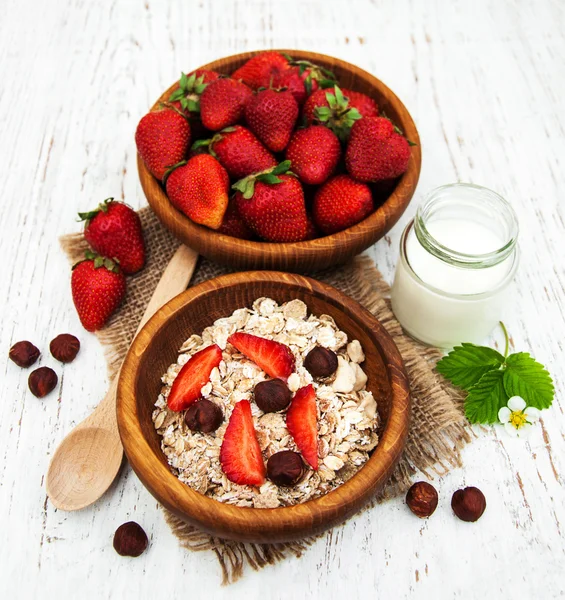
(485, 83)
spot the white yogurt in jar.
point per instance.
(457, 260)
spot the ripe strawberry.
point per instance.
(199, 189)
(313, 153)
(192, 377)
(271, 116)
(302, 78)
(341, 203)
(258, 71)
(223, 103)
(274, 358)
(187, 96)
(240, 454)
(338, 109)
(272, 205)
(114, 229)
(239, 151)
(98, 287)
(302, 422)
(291, 80)
(163, 139)
(376, 150)
(234, 225)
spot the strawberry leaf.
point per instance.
(529, 379)
(465, 365)
(339, 95)
(281, 168)
(193, 105)
(268, 178)
(176, 95)
(486, 398)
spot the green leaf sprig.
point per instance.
(491, 379)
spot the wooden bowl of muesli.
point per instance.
(156, 348)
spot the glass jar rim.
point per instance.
(464, 297)
(462, 259)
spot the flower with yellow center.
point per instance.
(517, 417)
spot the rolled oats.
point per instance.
(347, 411)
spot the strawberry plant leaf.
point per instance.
(465, 365)
(281, 168)
(339, 95)
(527, 378)
(183, 80)
(268, 178)
(486, 398)
(176, 95)
(193, 105)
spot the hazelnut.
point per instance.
(130, 539)
(422, 499)
(320, 362)
(24, 354)
(285, 467)
(468, 504)
(204, 416)
(272, 395)
(64, 347)
(42, 381)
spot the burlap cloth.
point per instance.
(437, 433)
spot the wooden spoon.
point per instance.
(87, 461)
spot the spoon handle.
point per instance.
(175, 279)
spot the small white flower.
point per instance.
(518, 418)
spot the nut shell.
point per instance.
(321, 362)
(469, 504)
(24, 354)
(64, 347)
(204, 416)
(130, 539)
(272, 395)
(42, 381)
(422, 499)
(285, 467)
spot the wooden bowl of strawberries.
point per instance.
(280, 159)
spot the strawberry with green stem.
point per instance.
(376, 151)
(113, 229)
(98, 288)
(272, 204)
(191, 86)
(338, 109)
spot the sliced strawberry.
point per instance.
(195, 374)
(240, 454)
(302, 422)
(274, 358)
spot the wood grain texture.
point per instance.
(484, 82)
(314, 254)
(156, 347)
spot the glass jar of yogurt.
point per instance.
(457, 260)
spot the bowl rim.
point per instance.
(253, 524)
(378, 219)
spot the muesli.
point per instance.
(329, 397)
